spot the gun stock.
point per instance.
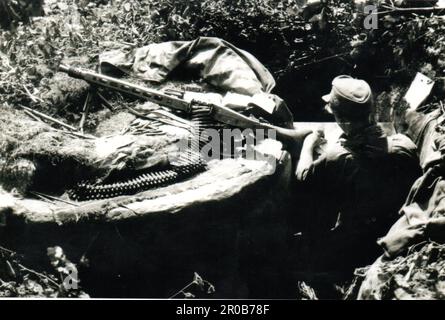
(289, 137)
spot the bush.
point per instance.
(287, 41)
(17, 280)
(13, 11)
(272, 30)
(303, 51)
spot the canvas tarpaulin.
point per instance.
(216, 61)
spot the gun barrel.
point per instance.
(64, 68)
(127, 87)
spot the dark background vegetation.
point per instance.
(303, 50)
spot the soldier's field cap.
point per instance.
(349, 89)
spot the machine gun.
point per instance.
(220, 113)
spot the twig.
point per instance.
(415, 246)
(54, 198)
(409, 10)
(128, 43)
(410, 270)
(39, 275)
(91, 243)
(182, 290)
(129, 209)
(420, 9)
(132, 111)
(172, 116)
(42, 197)
(85, 110)
(7, 250)
(181, 123)
(143, 116)
(173, 123)
(44, 116)
(150, 133)
(105, 102)
(79, 135)
(125, 130)
(31, 96)
(32, 116)
(76, 134)
(322, 60)
(118, 232)
(11, 10)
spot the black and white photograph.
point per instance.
(222, 150)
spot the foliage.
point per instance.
(197, 288)
(408, 44)
(419, 275)
(275, 30)
(13, 11)
(17, 280)
(279, 32)
(77, 31)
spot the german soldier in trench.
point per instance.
(356, 187)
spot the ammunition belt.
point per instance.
(188, 164)
(155, 179)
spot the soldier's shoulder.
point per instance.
(336, 152)
(401, 144)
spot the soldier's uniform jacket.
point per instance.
(358, 191)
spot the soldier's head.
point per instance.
(351, 103)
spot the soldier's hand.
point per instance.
(315, 139)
